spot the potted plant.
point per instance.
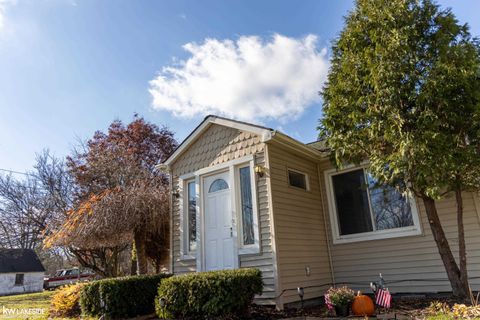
(341, 298)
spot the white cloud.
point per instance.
(3, 8)
(248, 79)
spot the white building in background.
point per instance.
(20, 271)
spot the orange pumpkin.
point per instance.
(362, 305)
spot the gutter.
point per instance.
(296, 145)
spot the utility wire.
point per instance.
(16, 172)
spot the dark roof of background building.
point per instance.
(19, 260)
(319, 145)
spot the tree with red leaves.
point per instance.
(120, 196)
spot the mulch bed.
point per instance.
(404, 307)
(269, 312)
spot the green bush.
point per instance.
(66, 301)
(121, 297)
(226, 293)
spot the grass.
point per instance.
(39, 301)
(36, 304)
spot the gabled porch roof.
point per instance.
(266, 134)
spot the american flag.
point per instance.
(383, 298)
(328, 303)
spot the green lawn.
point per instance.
(37, 304)
(26, 306)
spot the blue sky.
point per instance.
(70, 67)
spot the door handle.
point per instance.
(231, 232)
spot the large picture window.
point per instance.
(364, 209)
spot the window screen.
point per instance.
(390, 208)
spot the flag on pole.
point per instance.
(383, 298)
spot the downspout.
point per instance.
(327, 233)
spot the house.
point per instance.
(248, 196)
(20, 271)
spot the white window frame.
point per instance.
(307, 180)
(414, 230)
(233, 166)
(253, 248)
(185, 253)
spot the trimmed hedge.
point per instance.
(121, 297)
(226, 293)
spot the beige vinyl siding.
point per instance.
(299, 226)
(219, 144)
(409, 257)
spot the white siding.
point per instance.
(33, 282)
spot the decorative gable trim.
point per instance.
(265, 134)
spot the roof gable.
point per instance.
(19, 260)
(216, 145)
(263, 132)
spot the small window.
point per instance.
(247, 206)
(192, 216)
(218, 185)
(297, 179)
(19, 279)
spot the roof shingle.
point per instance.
(19, 260)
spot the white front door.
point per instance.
(219, 237)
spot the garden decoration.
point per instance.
(362, 305)
(383, 298)
(341, 299)
(301, 293)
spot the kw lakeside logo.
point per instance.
(21, 311)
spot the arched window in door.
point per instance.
(218, 185)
